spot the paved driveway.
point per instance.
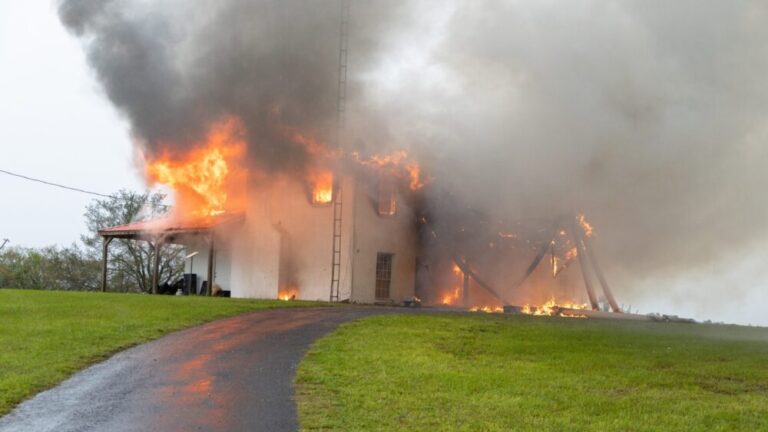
(230, 375)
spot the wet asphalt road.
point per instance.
(230, 375)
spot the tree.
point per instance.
(50, 267)
(131, 261)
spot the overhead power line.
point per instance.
(74, 189)
(55, 184)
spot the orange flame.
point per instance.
(451, 298)
(321, 181)
(397, 164)
(414, 173)
(207, 180)
(288, 294)
(588, 230)
(552, 307)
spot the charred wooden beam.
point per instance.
(539, 256)
(464, 267)
(581, 255)
(600, 276)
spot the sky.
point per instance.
(57, 125)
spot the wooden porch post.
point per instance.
(104, 257)
(156, 266)
(210, 266)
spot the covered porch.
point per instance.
(165, 231)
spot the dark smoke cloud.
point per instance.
(649, 116)
(173, 67)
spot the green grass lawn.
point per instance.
(45, 336)
(506, 373)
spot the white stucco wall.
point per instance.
(286, 242)
(373, 233)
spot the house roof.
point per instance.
(171, 226)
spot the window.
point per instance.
(383, 274)
(322, 187)
(387, 197)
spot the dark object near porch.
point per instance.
(412, 301)
(190, 283)
(162, 231)
(166, 288)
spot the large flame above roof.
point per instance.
(208, 177)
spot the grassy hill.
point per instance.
(45, 336)
(502, 373)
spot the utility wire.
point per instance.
(45, 182)
(55, 184)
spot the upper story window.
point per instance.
(387, 197)
(322, 187)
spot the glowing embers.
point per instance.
(321, 182)
(207, 179)
(487, 309)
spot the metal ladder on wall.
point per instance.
(336, 262)
(341, 102)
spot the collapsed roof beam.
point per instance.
(581, 255)
(600, 276)
(464, 267)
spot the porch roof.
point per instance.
(170, 226)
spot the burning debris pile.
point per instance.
(485, 259)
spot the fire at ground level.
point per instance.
(212, 259)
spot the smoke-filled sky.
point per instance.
(649, 116)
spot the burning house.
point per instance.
(242, 113)
(317, 236)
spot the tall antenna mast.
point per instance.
(341, 105)
(5, 241)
